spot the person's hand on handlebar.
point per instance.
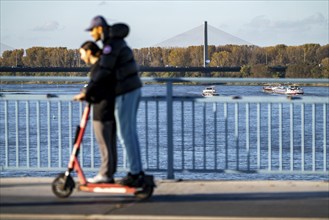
(80, 97)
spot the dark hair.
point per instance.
(92, 46)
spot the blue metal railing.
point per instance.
(219, 134)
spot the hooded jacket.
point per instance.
(117, 63)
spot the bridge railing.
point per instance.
(230, 134)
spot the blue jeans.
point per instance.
(125, 112)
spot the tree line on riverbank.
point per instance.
(304, 61)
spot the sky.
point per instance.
(62, 23)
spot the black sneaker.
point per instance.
(136, 180)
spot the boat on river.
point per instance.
(269, 88)
(209, 91)
(285, 90)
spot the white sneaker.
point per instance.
(100, 179)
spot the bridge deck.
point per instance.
(31, 198)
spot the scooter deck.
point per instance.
(107, 188)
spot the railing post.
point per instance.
(170, 153)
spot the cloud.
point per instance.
(48, 26)
(309, 23)
(265, 31)
(262, 22)
(259, 21)
(102, 3)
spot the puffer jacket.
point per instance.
(101, 95)
(117, 62)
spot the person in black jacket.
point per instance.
(101, 95)
(117, 62)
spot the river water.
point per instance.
(207, 159)
(158, 90)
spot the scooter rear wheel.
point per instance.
(62, 188)
(145, 193)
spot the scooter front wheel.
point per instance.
(63, 186)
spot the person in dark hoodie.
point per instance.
(102, 97)
(117, 62)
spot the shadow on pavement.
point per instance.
(114, 199)
(240, 197)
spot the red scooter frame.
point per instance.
(64, 184)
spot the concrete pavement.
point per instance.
(31, 198)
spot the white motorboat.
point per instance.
(285, 90)
(269, 88)
(280, 89)
(294, 90)
(209, 91)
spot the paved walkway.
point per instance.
(31, 198)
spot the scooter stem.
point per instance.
(73, 163)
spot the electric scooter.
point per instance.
(64, 184)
